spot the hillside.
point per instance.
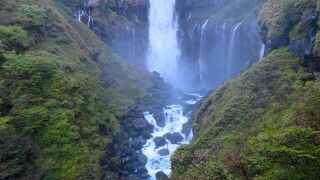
(264, 124)
(62, 94)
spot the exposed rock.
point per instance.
(163, 152)
(143, 159)
(174, 138)
(159, 117)
(142, 170)
(161, 176)
(137, 143)
(141, 124)
(160, 141)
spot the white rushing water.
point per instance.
(262, 51)
(163, 52)
(174, 119)
(231, 48)
(201, 58)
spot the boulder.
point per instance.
(160, 141)
(161, 175)
(143, 159)
(163, 152)
(142, 170)
(137, 143)
(174, 138)
(141, 124)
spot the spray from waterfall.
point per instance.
(163, 51)
(232, 46)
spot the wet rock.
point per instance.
(160, 119)
(163, 152)
(134, 177)
(137, 143)
(143, 159)
(142, 170)
(161, 175)
(141, 124)
(129, 167)
(186, 128)
(174, 138)
(144, 176)
(160, 141)
(146, 134)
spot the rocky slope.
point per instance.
(63, 94)
(264, 124)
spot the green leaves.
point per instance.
(264, 124)
(13, 38)
(289, 149)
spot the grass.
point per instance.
(233, 124)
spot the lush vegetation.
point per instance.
(262, 125)
(62, 92)
(287, 17)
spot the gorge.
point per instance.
(159, 89)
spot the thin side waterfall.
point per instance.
(133, 43)
(90, 18)
(231, 49)
(79, 14)
(163, 52)
(202, 39)
(223, 35)
(262, 51)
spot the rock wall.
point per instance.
(212, 44)
(299, 32)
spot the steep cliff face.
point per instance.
(294, 23)
(123, 25)
(219, 39)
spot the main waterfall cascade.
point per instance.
(163, 52)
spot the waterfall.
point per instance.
(262, 51)
(165, 140)
(90, 19)
(163, 51)
(133, 43)
(79, 14)
(223, 34)
(202, 39)
(231, 49)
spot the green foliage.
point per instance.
(12, 154)
(316, 49)
(282, 17)
(286, 153)
(54, 93)
(13, 38)
(252, 122)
